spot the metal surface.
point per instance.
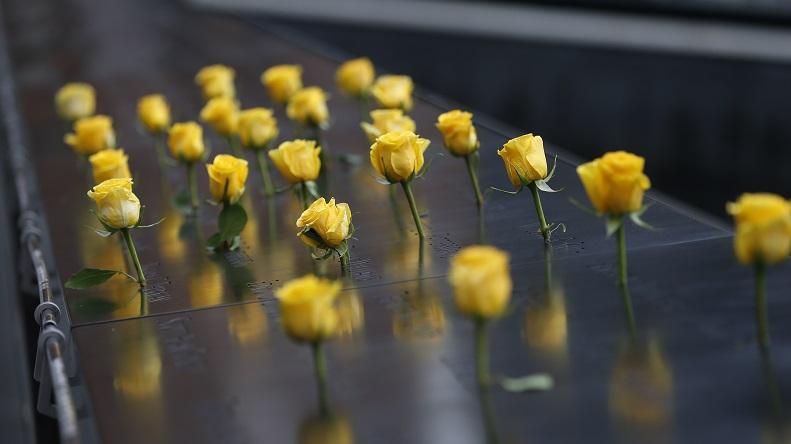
(199, 355)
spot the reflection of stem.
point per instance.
(413, 207)
(488, 416)
(263, 167)
(761, 314)
(474, 179)
(233, 144)
(421, 255)
(130, 245)
(540, 211)
(320, 366)
(193, 185)
(271, 221)
(481, 353)
(547, 268)
(771, 383)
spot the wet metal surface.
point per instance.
(199, 355)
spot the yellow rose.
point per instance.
(116, 204)
(257, 127)
(185, 141)
(327, 220)
(392, 91)
(216, 81)
(307, 308)
(297, 160)
(91, 135)
(153, 110)
(524, 156)
(481, 281)
(222, 114)
(308, 106)
(386, 121)
(75, 100)
(227, 177)
(282, 81)
(109, 164)
(615, 182)
(355, 76)
(397, 156)
(763, 227)
(458, 132)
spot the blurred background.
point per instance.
(700, 88)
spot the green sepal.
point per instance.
(506, 191)
(342, 249)
(321, 257)
(537, 382)
(582, 207)
(542, 185)
(181, 201)
(89, 277)
(314, 236)
(636, 217)
(613, 224)
(351, 159)
(149, 225)
(313, 190)
(231, 222)
(103, 233)
(426, 166)
(552, 171)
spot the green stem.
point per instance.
(193, 186)
(474, 179)
(303, 195)
(346, 264)
(130, 245)
(540, 212)
(481, 353)
(621, 238)
(488, 416)
(320, 367)
(413, 207)
(263, 166)
(233, 144)
(159, 145)
(761, 312)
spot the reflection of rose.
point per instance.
(139, 365)
(334, 429)
(544, 325)
(171, 246)
(351, 317)
(420, 316)
(206, 286)
(641, 385)
(247, 323)
(404, 258)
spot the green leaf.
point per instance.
(232, 220)
(89, 277)
(214, 241)
(530, 383)
(613, 224)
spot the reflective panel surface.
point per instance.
(199, 356)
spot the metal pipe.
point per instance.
(64, 403)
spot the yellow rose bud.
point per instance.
(116, 204)
(327, 220)
(257, 127)
(386, 121)
(185, 141)
(297, 160)
(282, 81)
(524, 157)
(307, 308)
(392, 91)
(216, 81)
(91, 135)
(458, 132)
(153, 110)
(109, 164)
(222, 114)
(481, 281)
(398, 156)
(227, 177)
(355, 77)
(75, 100)
(763, 227)
(308, 106)
(615, 182)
